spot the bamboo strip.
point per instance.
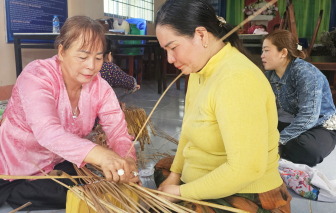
(16, 177)
(195, 201)
(149, 201)
(138, 204)
(157, 103)
(21, 207)
(184, 208)
(248, 19)
(149, 191)
(80, 196)
(122, 198)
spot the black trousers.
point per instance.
(43, 194)
(309, 148)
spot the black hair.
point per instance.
(276, 26)
(110, 23)
(110, 47)
(263, 26)
(184, 16)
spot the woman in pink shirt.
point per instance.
(53, 107)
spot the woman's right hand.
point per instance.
(110, 162)
(172, 179)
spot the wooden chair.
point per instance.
(131, 60)
(164, 72)
(288, 20)
(149, 63)
(317, 27)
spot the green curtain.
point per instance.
(234, 14)
(282, 7)
(306, 14)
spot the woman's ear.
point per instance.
(60, 52)
(284, 53)
(203, 35)
(110, 57)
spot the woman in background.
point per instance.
(306, 110)
(113, 74)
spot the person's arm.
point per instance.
(240, 108)
(112, 120)
(116, 77)
(38, 97)
(174, 177)
(309, 91)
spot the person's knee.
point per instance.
(298, 152)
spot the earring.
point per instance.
(205, 46)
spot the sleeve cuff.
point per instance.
(188, 191)
(176, 168)
(81, 163)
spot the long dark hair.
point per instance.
(184, 16)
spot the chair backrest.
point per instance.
(288, 20)
(318, 23)
(284, 21)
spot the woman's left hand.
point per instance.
(173, 190)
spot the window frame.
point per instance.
(128, 3)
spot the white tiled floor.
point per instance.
(168, 117)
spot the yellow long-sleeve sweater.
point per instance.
(229, 138)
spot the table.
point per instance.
(18, 46)
(326, 63)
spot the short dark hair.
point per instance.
(263, 26)
(276, 26)
(77, 26)
(110, 47)
(184, 16)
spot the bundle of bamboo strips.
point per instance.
(135, 118)
(104, 196)
(98, 136)
(99, 195)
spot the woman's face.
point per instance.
(272, 59)
(187, 54)
(81, 64)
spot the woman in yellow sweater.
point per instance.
(228, 150)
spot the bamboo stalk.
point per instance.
(21, 207)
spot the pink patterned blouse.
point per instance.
(39, 126)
